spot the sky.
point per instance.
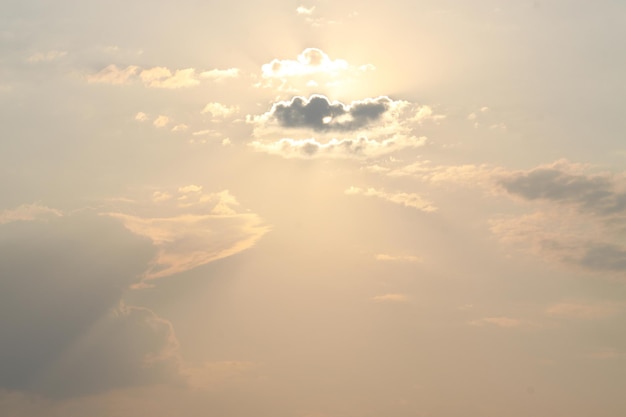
(312, 209)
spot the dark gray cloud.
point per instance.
(604, 257)
(319, 114)
(593, 194)
(64, 332)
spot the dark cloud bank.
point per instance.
(64, 331)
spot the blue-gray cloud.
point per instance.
(321, 115)
(64, 332)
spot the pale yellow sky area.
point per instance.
(316, 209)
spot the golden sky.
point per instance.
(312, 209)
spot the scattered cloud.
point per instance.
(390, 298)
(338, 148)
(141, 117)
(374, 126)
(580, 310)
(180, 127)
(159, 77)
(505, 322)
(397, 258)
(301, 10)
(220, 111)
(311, 69)
(46, 56)
(161, 121)
(219, 75)
(565, 183)
(114, 75)
(28, 212)
(404, 199)
(201, 228)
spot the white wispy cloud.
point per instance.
(28, 212)
(200, 228)
(584, 310)
(411, 200)
(396, 258)
(391, 298)
(159, 77)
(502, 321)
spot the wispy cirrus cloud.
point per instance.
(158, 77)
(411, 200)
(391, 298)
(200, 228)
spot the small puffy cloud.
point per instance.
(141, 117)
(310, 61)
(424, 113)
(159, 196)
(161, 121)
(180, 127)
(28, 212)
(226, 142)
(312, 68)
(397, 258)
(302, 10)
(580, 310)
(390, 298)
(163, 78)
(114, 75)
(190, 189)
(411, 200)
(46, 56)
(219, 75)
(220, 111)
(505, 322)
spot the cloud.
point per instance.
(338, 148)
(301, 10)
(505, 322)
(565, 183)
(28, 212)
(220, 111)
(161, 77)
(319, 114)
(397, 258)
(158, 77)
(64, 331)
(404, 199)
(366, 128)
(581, 216)
(141, 117)
(46, 56)
(390, 298)
(201, 228)
(588, 311)
(161, 121)
(312, 68)
(219, 75)
(114, 75)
